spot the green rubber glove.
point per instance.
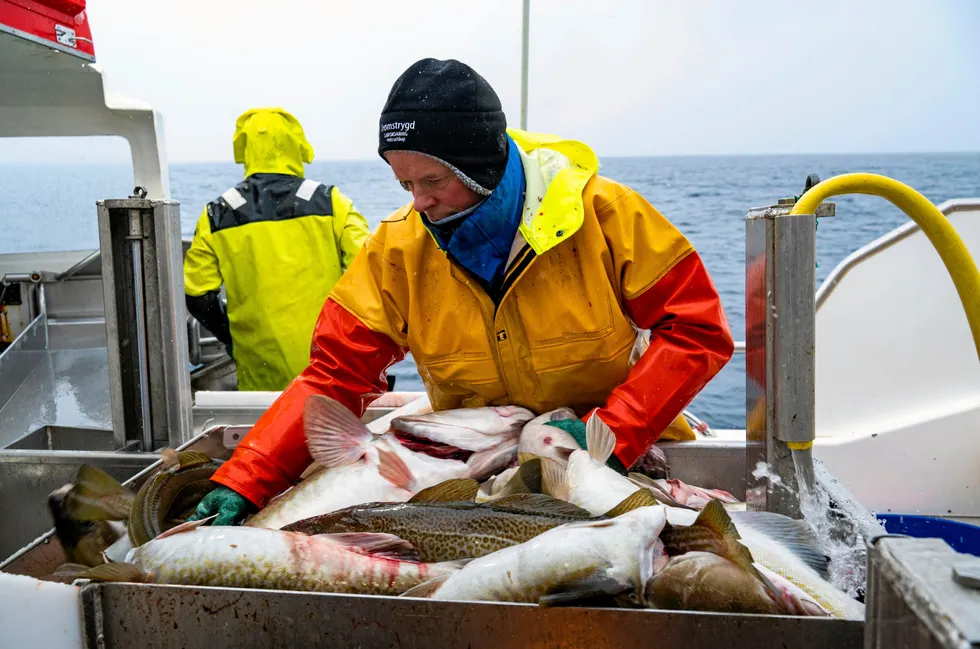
(576, 428)
(230, 507)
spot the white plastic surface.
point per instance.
(36, 614)
(898, 379)
(50, 94)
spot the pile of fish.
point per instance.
(482, 504)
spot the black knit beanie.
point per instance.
(444, 109)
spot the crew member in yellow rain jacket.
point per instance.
(517, 275)
(278, 242)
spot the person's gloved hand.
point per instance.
(576, 428)
(230, 507)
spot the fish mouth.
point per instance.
(432, 449)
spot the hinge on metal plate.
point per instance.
(65, 35)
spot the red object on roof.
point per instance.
(62, 23)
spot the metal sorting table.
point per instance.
(124, 615)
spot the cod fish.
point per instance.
(88, 515)
(168, 497)
(540, 440)
(710, 570)
(359, 466)
(248, 557)
(444, 524)
(575, 561)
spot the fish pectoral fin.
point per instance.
(426, 589)
(527, 480)
(184, 527)
(127, 572)
(393, 469)
(795, 535)
(449, 491)
(636, 500)
(482, 463)
(600, 441)
(661, 494)
(598, 588)
(554, 482)
(97, 496)
(377, 544)
(334, 435)
(538, 504)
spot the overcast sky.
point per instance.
(629, 77)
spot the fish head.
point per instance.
(704, 581)
(542, 440)
(471, 429)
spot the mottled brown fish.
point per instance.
(168, 497)
(443, 524)
(87, 514)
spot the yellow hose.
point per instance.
(934, 224)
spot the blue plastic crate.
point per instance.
(962, 537)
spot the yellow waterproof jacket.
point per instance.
(594, 264)
(278, 243)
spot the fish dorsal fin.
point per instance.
(126, 572)
(334, 435)
(599, 439)
(527, 480)
(170, 458)
(192, 458)
(426, 589)
(658, 492)
(97, 496)
(794, 535)
(639, 498)
(553, 480)
(185, 527)
(393, 469)
(450, 491)
(538, 504)
(377, 544)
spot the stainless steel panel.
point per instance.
(714, 464)
(79, 298)
(130, 615)
(18, 361)
(68, 388)
(60, 438)
(77, 333)
(168, 313)
(146, 262)
(913, 600)
(780, 337)
(27, 477)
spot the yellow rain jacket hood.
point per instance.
(278, 243)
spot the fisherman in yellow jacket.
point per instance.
(278, 242)
(517, 274)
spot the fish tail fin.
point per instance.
(184, 527)
(639, 498)
(554, 482)
(127, 572)
(97, 496)
(524, 456)
(427, 588)
(599, 439)
(393, 469)
(334, 435)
